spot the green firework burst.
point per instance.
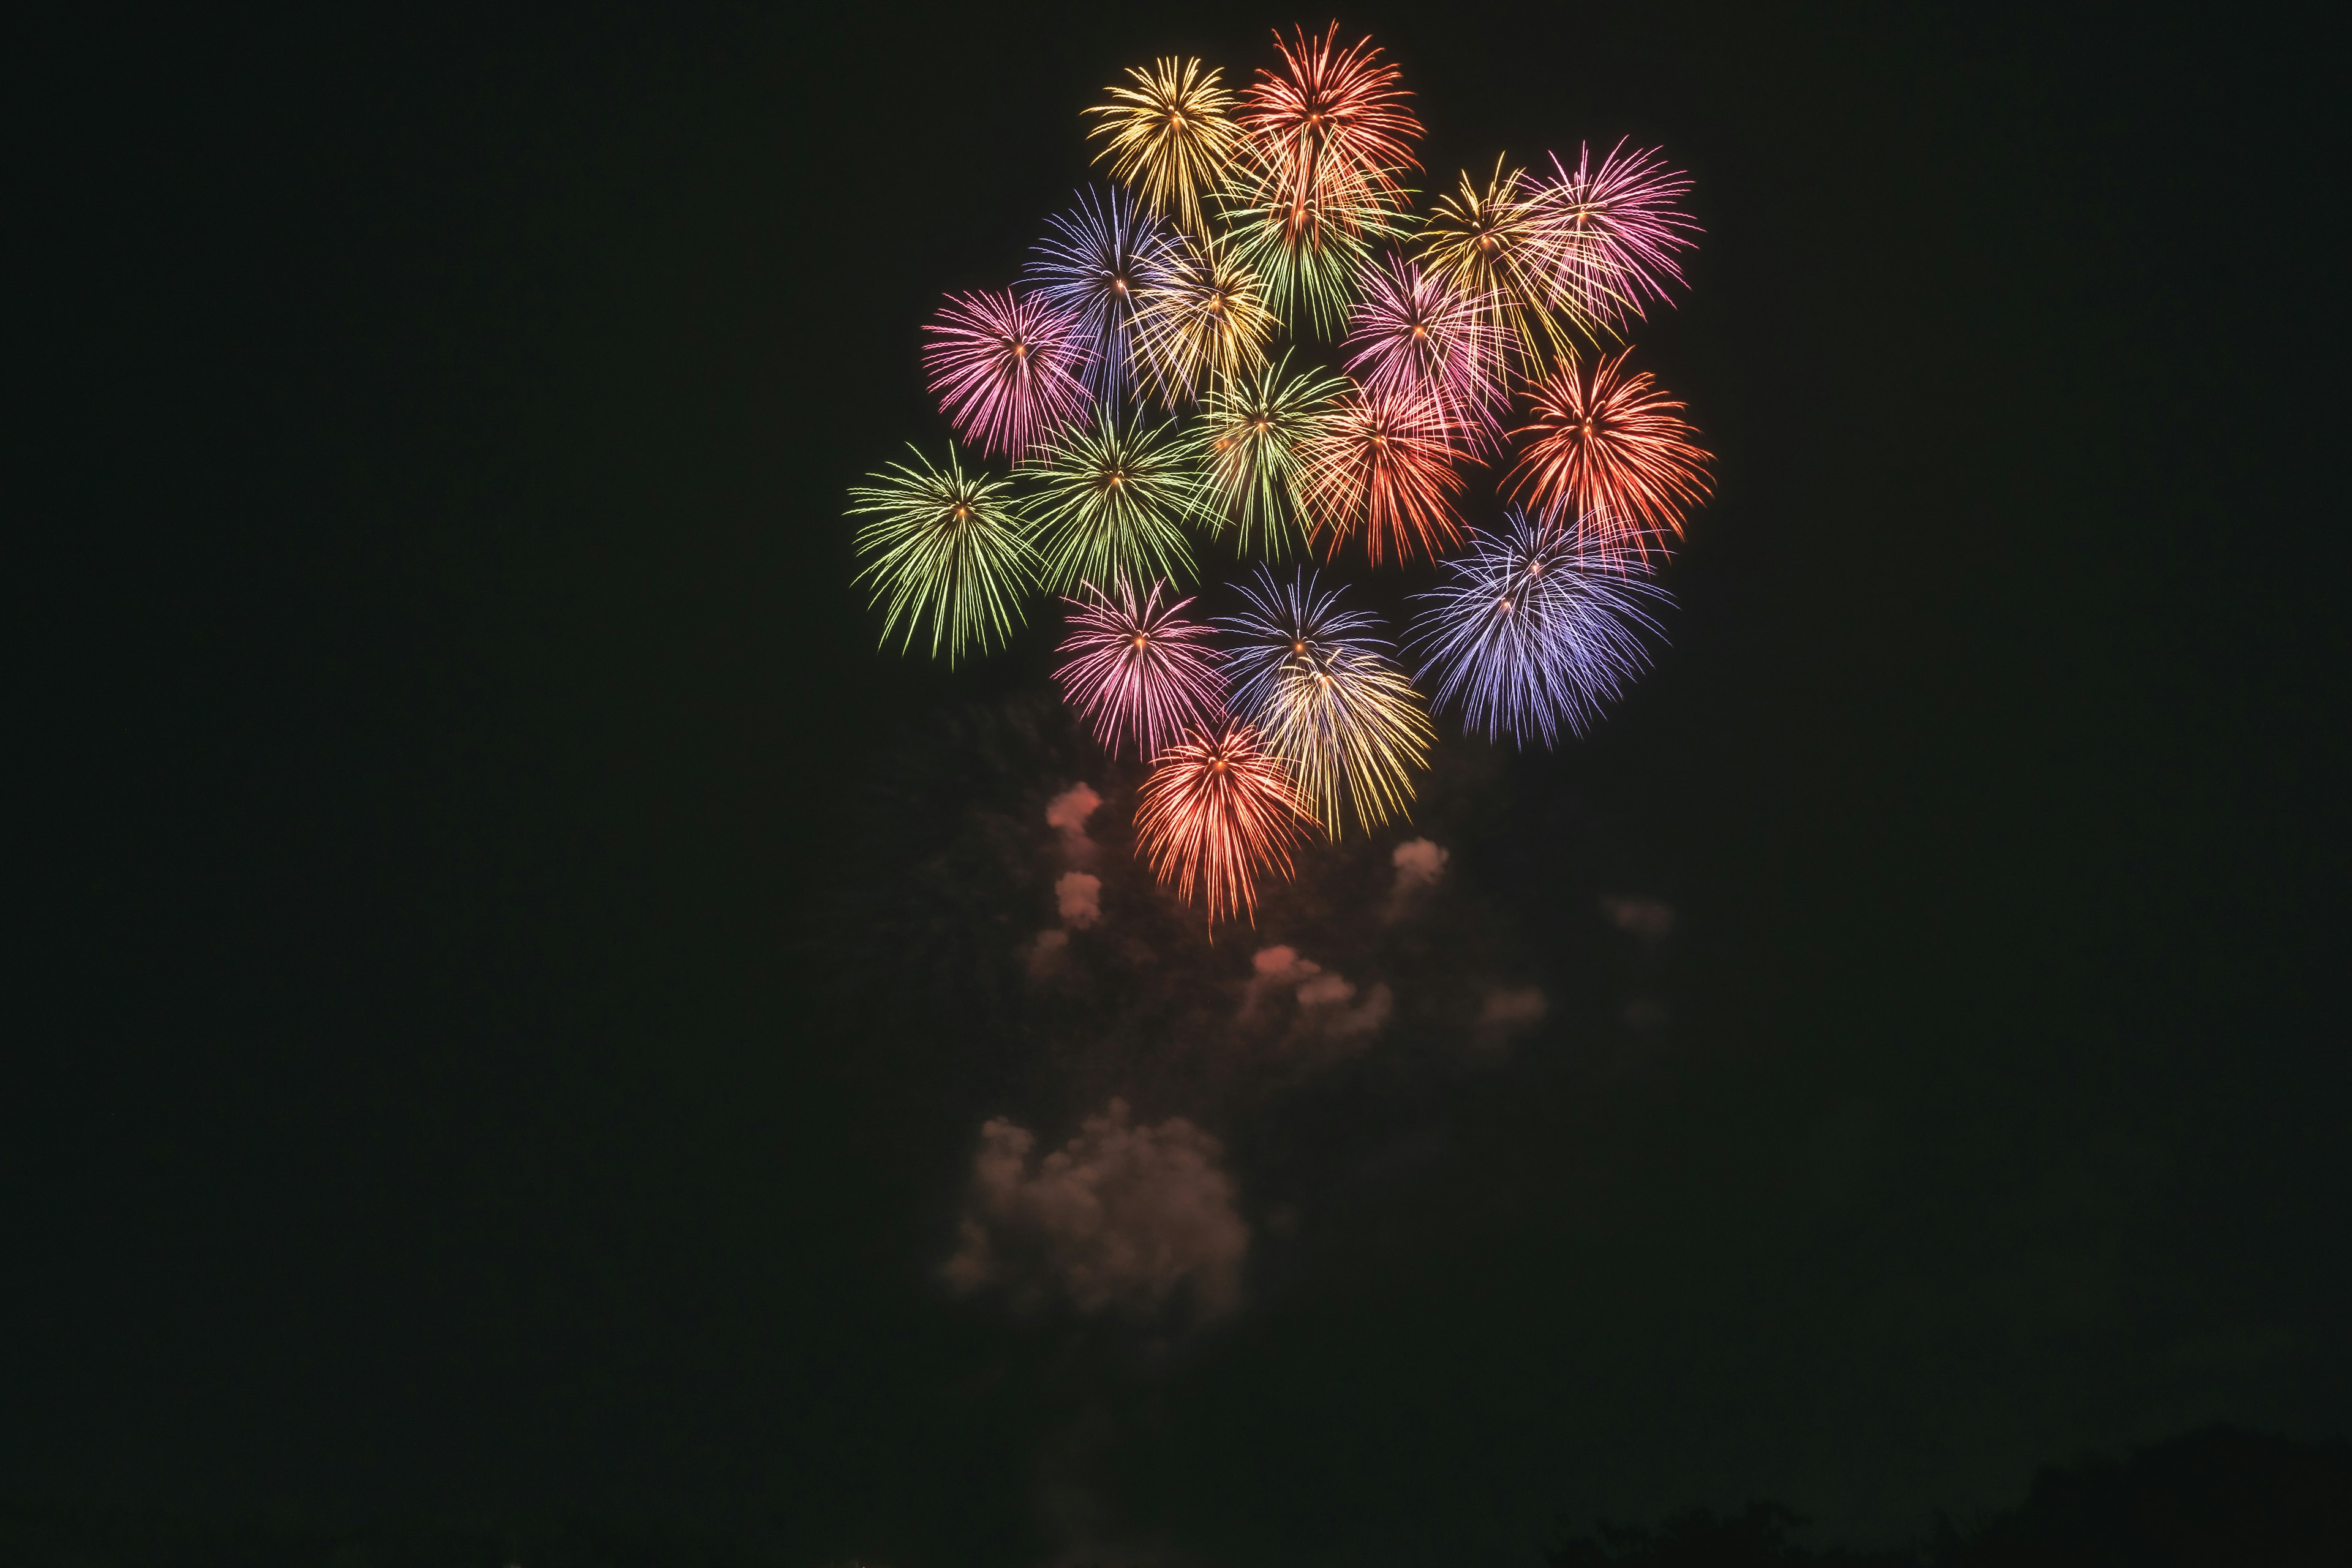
(1109, 497)
(947, 547)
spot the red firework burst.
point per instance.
(1383, 461)
(1140, 670)
(1330, 132)
(1217, 812)
(1608, 450)
(1004, 368)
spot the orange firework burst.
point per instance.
(1215, 812)
(1609, 450)
(1383, 461)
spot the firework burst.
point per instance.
(1216, 813)
(1383, 462)
(1251, 445)
(1608, 450)
(1172, 135)
(1331, 703)
(1535, 628)
(1103, 257)
(947, 547)
(1205, 322)
(1608, 235)
(1108, 498)
(1002, 366)
(1315, 180)
(1483, 244)
(1415, 339)
(1138, 672)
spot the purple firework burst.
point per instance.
(1533, 630)
(1103, 258)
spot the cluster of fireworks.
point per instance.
(1139, 381)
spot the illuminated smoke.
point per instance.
(1652, 920)
(1507, 1010)
(1327, 1005)
(1067, 812)
(1078, 894)
(1420, 863)
(1122, 1217)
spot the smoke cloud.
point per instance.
(1079, 896)
(1652, 920)
(1043, 954)
(1507, 1010)
(1420, 863)
(1067, 812)
(1324, 1010)
(1123, 1216)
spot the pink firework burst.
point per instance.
(1415, 337)
(1608, 235)
(1005, 367)
(1139, 671)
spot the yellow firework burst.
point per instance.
(1486, 243)
(1205, 321)
(1326, 700)
(1172, 135)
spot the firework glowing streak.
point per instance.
(1141, 672)
(1206, 321)
(1216, 813)
(1383, 462)
(1250, 445)
(1608, 235)
(1108, 498)
(1329, 130)
(1002, 367)
(1172, 135)
(1314, 176)
(949, 547)
(1414, 338)
(1608, 450)
(1533, 631)
(1102, 258)
(1483, 244)
(1329, 700)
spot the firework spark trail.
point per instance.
(1608, 235)
(1329, 700)
(1329, 132)
(1140, 671)
(1608, 450)
(1217, 812)
(1484, 244)
(1251, 445)
(1413, 337)
(1104, 256)
(1315, 177)
(1383, 462)
(1002, 366)
(1534, 629)
(1108, 498)
(947, 546)
(1203, 324)
(1172, 136)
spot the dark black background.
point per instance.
(450, 748)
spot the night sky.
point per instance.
(512, 982)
